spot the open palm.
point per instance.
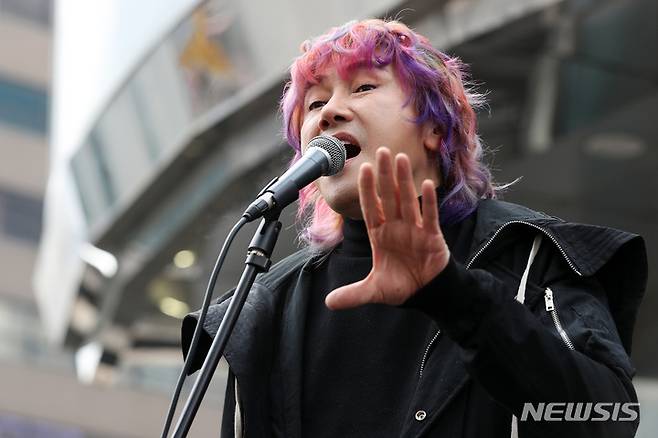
(408, 248)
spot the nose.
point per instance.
(334, 112)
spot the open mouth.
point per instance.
(352, 150)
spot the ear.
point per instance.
(432, 137)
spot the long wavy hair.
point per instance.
(439, 92)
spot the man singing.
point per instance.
(421, 305)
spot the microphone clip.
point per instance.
(264, 202)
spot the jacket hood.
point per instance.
(616, 258)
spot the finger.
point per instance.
(409, 208)
(352, 295)
(388, 191)
(368, 198)
(430, 208)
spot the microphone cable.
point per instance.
(326, 150)
(198, 329)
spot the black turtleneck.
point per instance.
(361, 366)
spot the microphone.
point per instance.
(325, 156)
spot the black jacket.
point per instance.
(499, 353)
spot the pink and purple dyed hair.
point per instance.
(435, 83)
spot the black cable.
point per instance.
(198, 329)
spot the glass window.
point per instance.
(20, 215)
(38, 11)
(23, 106)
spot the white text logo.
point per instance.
(571, 411)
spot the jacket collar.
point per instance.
(587, 248)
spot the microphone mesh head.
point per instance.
(335, 149)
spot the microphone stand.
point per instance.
(258, 260)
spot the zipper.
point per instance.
(482, 249)
(427, 350)
(537, 227)
(552, 310)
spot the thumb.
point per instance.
(351, 295)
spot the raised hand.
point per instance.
(408, 248)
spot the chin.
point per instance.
(344, 202)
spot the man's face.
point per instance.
(366, 111)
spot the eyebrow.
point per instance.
(361, 65)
